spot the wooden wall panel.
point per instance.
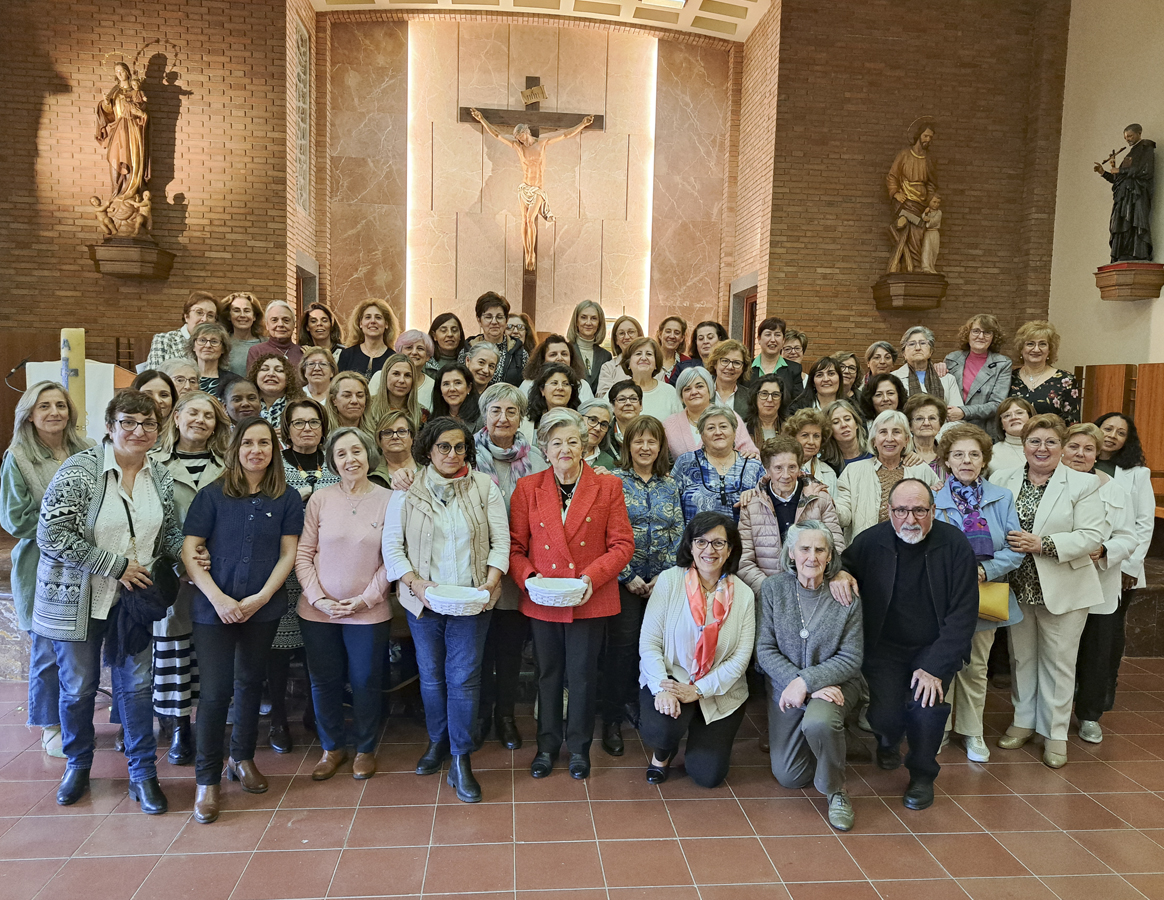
(1106, 388)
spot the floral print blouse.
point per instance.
(1059, 394)
(702, 488)
(1025, 579)
(656, 516)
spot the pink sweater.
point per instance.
(680, 440)
(339, 555)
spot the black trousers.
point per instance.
(709, 745)
(894, 714)
(567, 650)
(1101, 649)
(501, 665)
(233, 662)
(619, 666)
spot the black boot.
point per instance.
(149, 795)
(507, 733)
(73, 786)
(430, 762)
(612, 738)
(181, 751)
(461, 778)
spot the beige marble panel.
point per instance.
(483, 63)
(480, 255)
(685, 257)
(374, 44)
(694, 82)
(432, 251)
(639, 178)
(367, 254)
(582, 70)
(377, 181)
(562, 171)
(630, 101)
(533, 50)
(420, 170)
(577, 268)
(432, 93)
(626, 254)
(456, 166)
(369, 67)
(367, 134)
(602, 176)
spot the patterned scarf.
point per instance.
(915, 386)
(489, 454)
(968, 502)
(708, 633)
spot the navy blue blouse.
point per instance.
(243, 536)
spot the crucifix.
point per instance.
(531, 152)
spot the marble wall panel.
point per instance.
(582, 70)
(456, 165)
(432, 253)
(367, 133)
(377, 45)
(626, 258)
(639, 177)
(360, 180)
(483, 64)
(630, 84)
(368, 254)
(578, 268)
(602, 176)
(432, 93)
(533, 50)
(684, 269)
(480, 259)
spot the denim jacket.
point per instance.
(656, 517)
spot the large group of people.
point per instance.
(843, 533)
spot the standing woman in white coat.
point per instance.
(1062, 517)
(1102, 646)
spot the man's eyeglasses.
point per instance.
(901, 512)
(129, 426)
(448, 449)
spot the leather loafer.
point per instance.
(461, 779)
(430, 761)
(328, 764)
(579, 765)
(149, 796)
(612, 738)
(73, 786)
(543, 764)
(888, 758)
(280, 738)
(507, 733)
(919, 794)
(657, 774)
(206, 803)
(246, 772)
(364, 767)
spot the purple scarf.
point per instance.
(968, 501)
(517, 455)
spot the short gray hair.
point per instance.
(481, 347)
(786, 563)
(881, 345)
(595, 403)
(365, 440)
(917, 329)
(552, 420)
(503, 391)
(690, 374)
(887, 417)
(717, 409)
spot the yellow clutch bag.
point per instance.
(994, 601)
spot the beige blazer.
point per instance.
(858, 494)
(1072, 514)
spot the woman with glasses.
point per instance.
(1046, 388)
(449, 529)
(318, 327)
(1062, 519)
(316, 370)
(242, 317)
(626, 329)
(699, 630)
(107, 517)
(568, 522)
(642, 362)
(597, 416)
(728, 364)
(626, 398)
(183, 373)
(714, 476)
(210, 348)
(492, 312)
(1010, 420)
(394, 437)
(520, 327)
(927, 416)
(981, 371)
(763, 413)
(918, 374)
(850, 371)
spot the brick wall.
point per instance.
(301, 223)
(849, 85)
(216, 89)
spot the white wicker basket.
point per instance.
(451, 600)
(556, 591)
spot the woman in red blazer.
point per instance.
(568, 522)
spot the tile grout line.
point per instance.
(597, 843)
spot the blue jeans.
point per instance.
(449, 650)
(44, 685)
(80, 671)
(365, 646)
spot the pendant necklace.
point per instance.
(804, 631)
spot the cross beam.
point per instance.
(511, 117)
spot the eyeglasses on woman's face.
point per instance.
(129, 426)
(401, 433)
(703, 543)
(304, 424)
(595, 422)
(447, 449)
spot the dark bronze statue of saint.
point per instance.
(1131, 189)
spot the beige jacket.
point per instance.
(858, 496)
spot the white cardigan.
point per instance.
(1119, 541)
(858, 493)
(1137, 484)
(1071, 513)
(950, 391)
(665, 648)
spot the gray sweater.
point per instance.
(831, 655)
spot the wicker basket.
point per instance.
(556, 591)
(451, 600)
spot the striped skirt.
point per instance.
(175, 676)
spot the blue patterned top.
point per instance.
(701, 488)
(656, 516)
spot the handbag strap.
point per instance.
(132, 534)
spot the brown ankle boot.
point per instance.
(206, 803)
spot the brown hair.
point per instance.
(1006, 404)
(986, 322)
(211, 329)
(722, 349)
(234, 479)
(636, 345)
(782, 443)
(1033, 331)
(256, 311)
(808, 416)
(134, 402)
(198, 297)
(964, 431)
(391, 325)
(1048, 421)
(614, 331)
(917, 401)
(652, 426)
(293, 390)
(285, 425)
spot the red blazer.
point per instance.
(596, 540)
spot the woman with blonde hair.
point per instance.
(813, 432)
(44, 435)
(347, 402)
(587, 331)
(729, 365)
(242, 316)
(373, 330)
(1047, 389)
(397, 388)
(418, 347)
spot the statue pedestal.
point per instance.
(909, 290)
(126, 257)
(1130, 280)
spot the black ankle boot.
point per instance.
(73, 786)
(461, 778)
(430, 762)
(181, 750)
(149, 795)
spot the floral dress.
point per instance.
(1059, 394)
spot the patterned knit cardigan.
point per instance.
(68, 556)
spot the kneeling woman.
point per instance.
(810, 648)
(700, 615)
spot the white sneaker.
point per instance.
(976, 750)
(1090, 731)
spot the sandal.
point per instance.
(657, 774)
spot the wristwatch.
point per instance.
(698, 691)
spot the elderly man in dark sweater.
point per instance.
(918, 583)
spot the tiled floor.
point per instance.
(1009, 829)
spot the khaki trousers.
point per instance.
(808, 745)
(967, 697)
(1043, 650)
